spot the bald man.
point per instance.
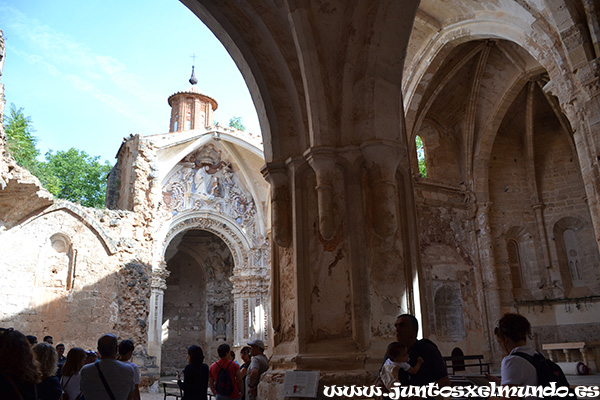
(118, 376)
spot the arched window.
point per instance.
(419, 145)
(188, 121)
(514, 263)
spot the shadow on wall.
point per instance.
(116, 303)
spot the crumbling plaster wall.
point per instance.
(109, 268)
(110, 277)
(449, 261)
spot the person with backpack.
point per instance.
(511, 333)
(224, 376)
(523, 365)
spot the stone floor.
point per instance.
(153, 396)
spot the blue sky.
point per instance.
(90, 73)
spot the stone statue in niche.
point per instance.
(218, 264)
(219, 317)
(221, 330)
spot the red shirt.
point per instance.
(232, 367)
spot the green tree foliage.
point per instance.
(70, 175)
(421, 156)
(20, 142)
(76, 176)
(236, 122)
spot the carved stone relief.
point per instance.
(203, 180)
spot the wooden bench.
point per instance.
(460, 363)
(173, 390)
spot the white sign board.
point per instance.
(301, 384)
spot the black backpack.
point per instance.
(547, 371)
(224, 383)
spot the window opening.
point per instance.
(421, 156)
(514, 263)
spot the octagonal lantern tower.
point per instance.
(191, 109)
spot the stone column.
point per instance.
(489, 274)
(327, 83)
(250, 298)
(159, 284)
(339, 291)
(580, 101)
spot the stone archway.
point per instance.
(198, 302)
(207, 251)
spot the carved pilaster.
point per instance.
(323, 163)
(159, 285)
(382, 159)
(277, 176)
(489, 273)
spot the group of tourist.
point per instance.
(225, 377)
(38, 371)
(419, 362)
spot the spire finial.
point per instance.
(193, 79)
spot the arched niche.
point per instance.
(521, 260)
(57, 263)
(577, 254)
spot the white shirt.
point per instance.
(72, 388)
(119, 376)
(390, 370)
(137, 375)
(518, 371)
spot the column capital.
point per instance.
(159, 277)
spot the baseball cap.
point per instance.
(258, 343)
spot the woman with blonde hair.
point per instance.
(19, 372)
(49, 388)
(71, 373)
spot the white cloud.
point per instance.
(63, 55)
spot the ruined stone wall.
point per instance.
(2, 99)
(184, 313)
(565, 206)
(74, 272)
(455, 310)
(96, 284)
(510, 194)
